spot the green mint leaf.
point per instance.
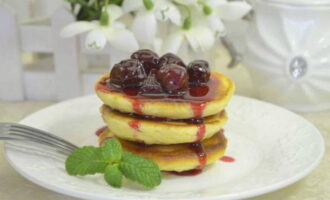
(85, 160)
(140, 169)
(113, 176)
(111, 150)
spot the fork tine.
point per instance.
(38, 139)
(44, 133)
(35, 149)
(39, 133)
(54, 148)
(10, 131)
(32, 134)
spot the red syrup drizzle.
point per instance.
(199, 95)
(200, 132)
(198, 109)
(137, 106)
(198, 148)
(227, 159)
(102, 85)
(100, 130)
(135, 124)
(192, 172)
(162, 119)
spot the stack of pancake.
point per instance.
(179, 134)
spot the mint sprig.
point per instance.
(114, 163)
(113, 176)
(111, 150)
(84, 161)
(139, 169)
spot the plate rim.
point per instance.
(241, 195)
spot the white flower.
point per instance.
(224, 10)
(187, 2)
(144, 24)
(219, 10)
(115, 32)
(232, 10)
(206, 17)
(199, 37)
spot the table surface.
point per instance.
(315, 186)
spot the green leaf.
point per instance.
(207, 9)
(117, 2)
(111, 150)
(148, 4)
(104, 20)
(113, 176)
(82, 2)
(86, 160)
(187, 23)
(140, 169)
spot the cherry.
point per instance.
(151, 86)
(148, 58)
(199, 91)
(199, 72)
(173, 78)
(170, 58)
(128, 74)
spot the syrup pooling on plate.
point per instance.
(227, 159)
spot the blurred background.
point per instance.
(274, 50)
(37, 76)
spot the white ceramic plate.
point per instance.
(272, 148)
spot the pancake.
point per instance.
(200, 101)
(176, 157)
(161, 132)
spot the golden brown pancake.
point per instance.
(176, 157)
(150, 131)
(192, 105)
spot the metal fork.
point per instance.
(19, 132)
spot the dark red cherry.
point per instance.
(199, 91)
(151, 86)
(148, 58)
(170, 58)
(199, 72)
(128, 74)
(173, 78)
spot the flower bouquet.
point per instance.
(161, 25)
